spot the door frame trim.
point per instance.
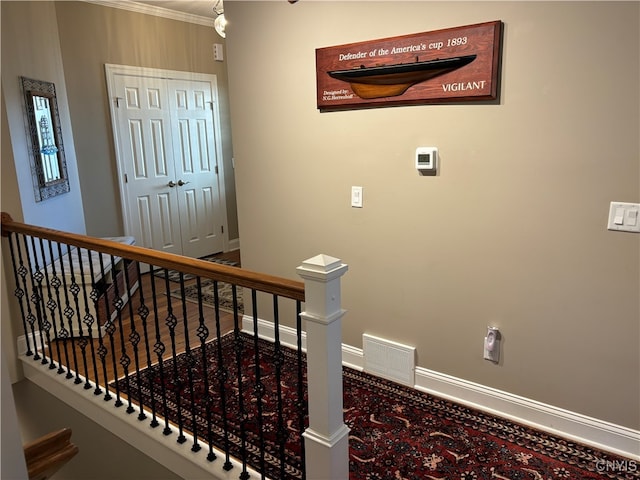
(111, 71)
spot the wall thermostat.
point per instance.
(427, 159)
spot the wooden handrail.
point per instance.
(239, 276)
(47, 454)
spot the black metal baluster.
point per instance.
(158, 349)
(125, 360)
(203, 333)
(56, 312)
(36, 296)
(94, 295)
(109, 328)
(222, 375)
(134, 336)
(64, 334)
(243, 416)
(282, 435)
(258, 387)
(87, 319)
(179, 380)
(171, 322)
(49, 305)
(191, 362)
(19, 272)
(301, 405)
(24, 273)
(70, 312)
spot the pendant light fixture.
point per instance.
(220, 23)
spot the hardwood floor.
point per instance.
(78, 354)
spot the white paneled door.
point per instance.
(167, 141)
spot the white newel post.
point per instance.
(327, 438)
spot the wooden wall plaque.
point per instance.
(451, 65)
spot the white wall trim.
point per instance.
(573, 426)
(156, 11)
(266, 331)
(234, 244)
(548, 418)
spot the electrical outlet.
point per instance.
(492, 345)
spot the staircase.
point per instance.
(139, 328)
(46, 455)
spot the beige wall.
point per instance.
(10, 202)
(93, 35)
(30, 48)
(512, 232)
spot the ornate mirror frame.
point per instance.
(48, 163)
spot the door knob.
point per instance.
(181, 183)
(171, 184)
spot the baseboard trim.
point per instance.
(573, 426)
(34, 343)
(548, 418)
(266, 331)
(234, 244)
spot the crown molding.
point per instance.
(155, 11)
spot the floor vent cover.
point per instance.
(389, 360)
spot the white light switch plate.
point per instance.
(356, 197)
(624, 217)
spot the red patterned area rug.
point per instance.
(206, 294)
(174, 275)
(397, 433)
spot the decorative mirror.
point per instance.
(48, 164)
